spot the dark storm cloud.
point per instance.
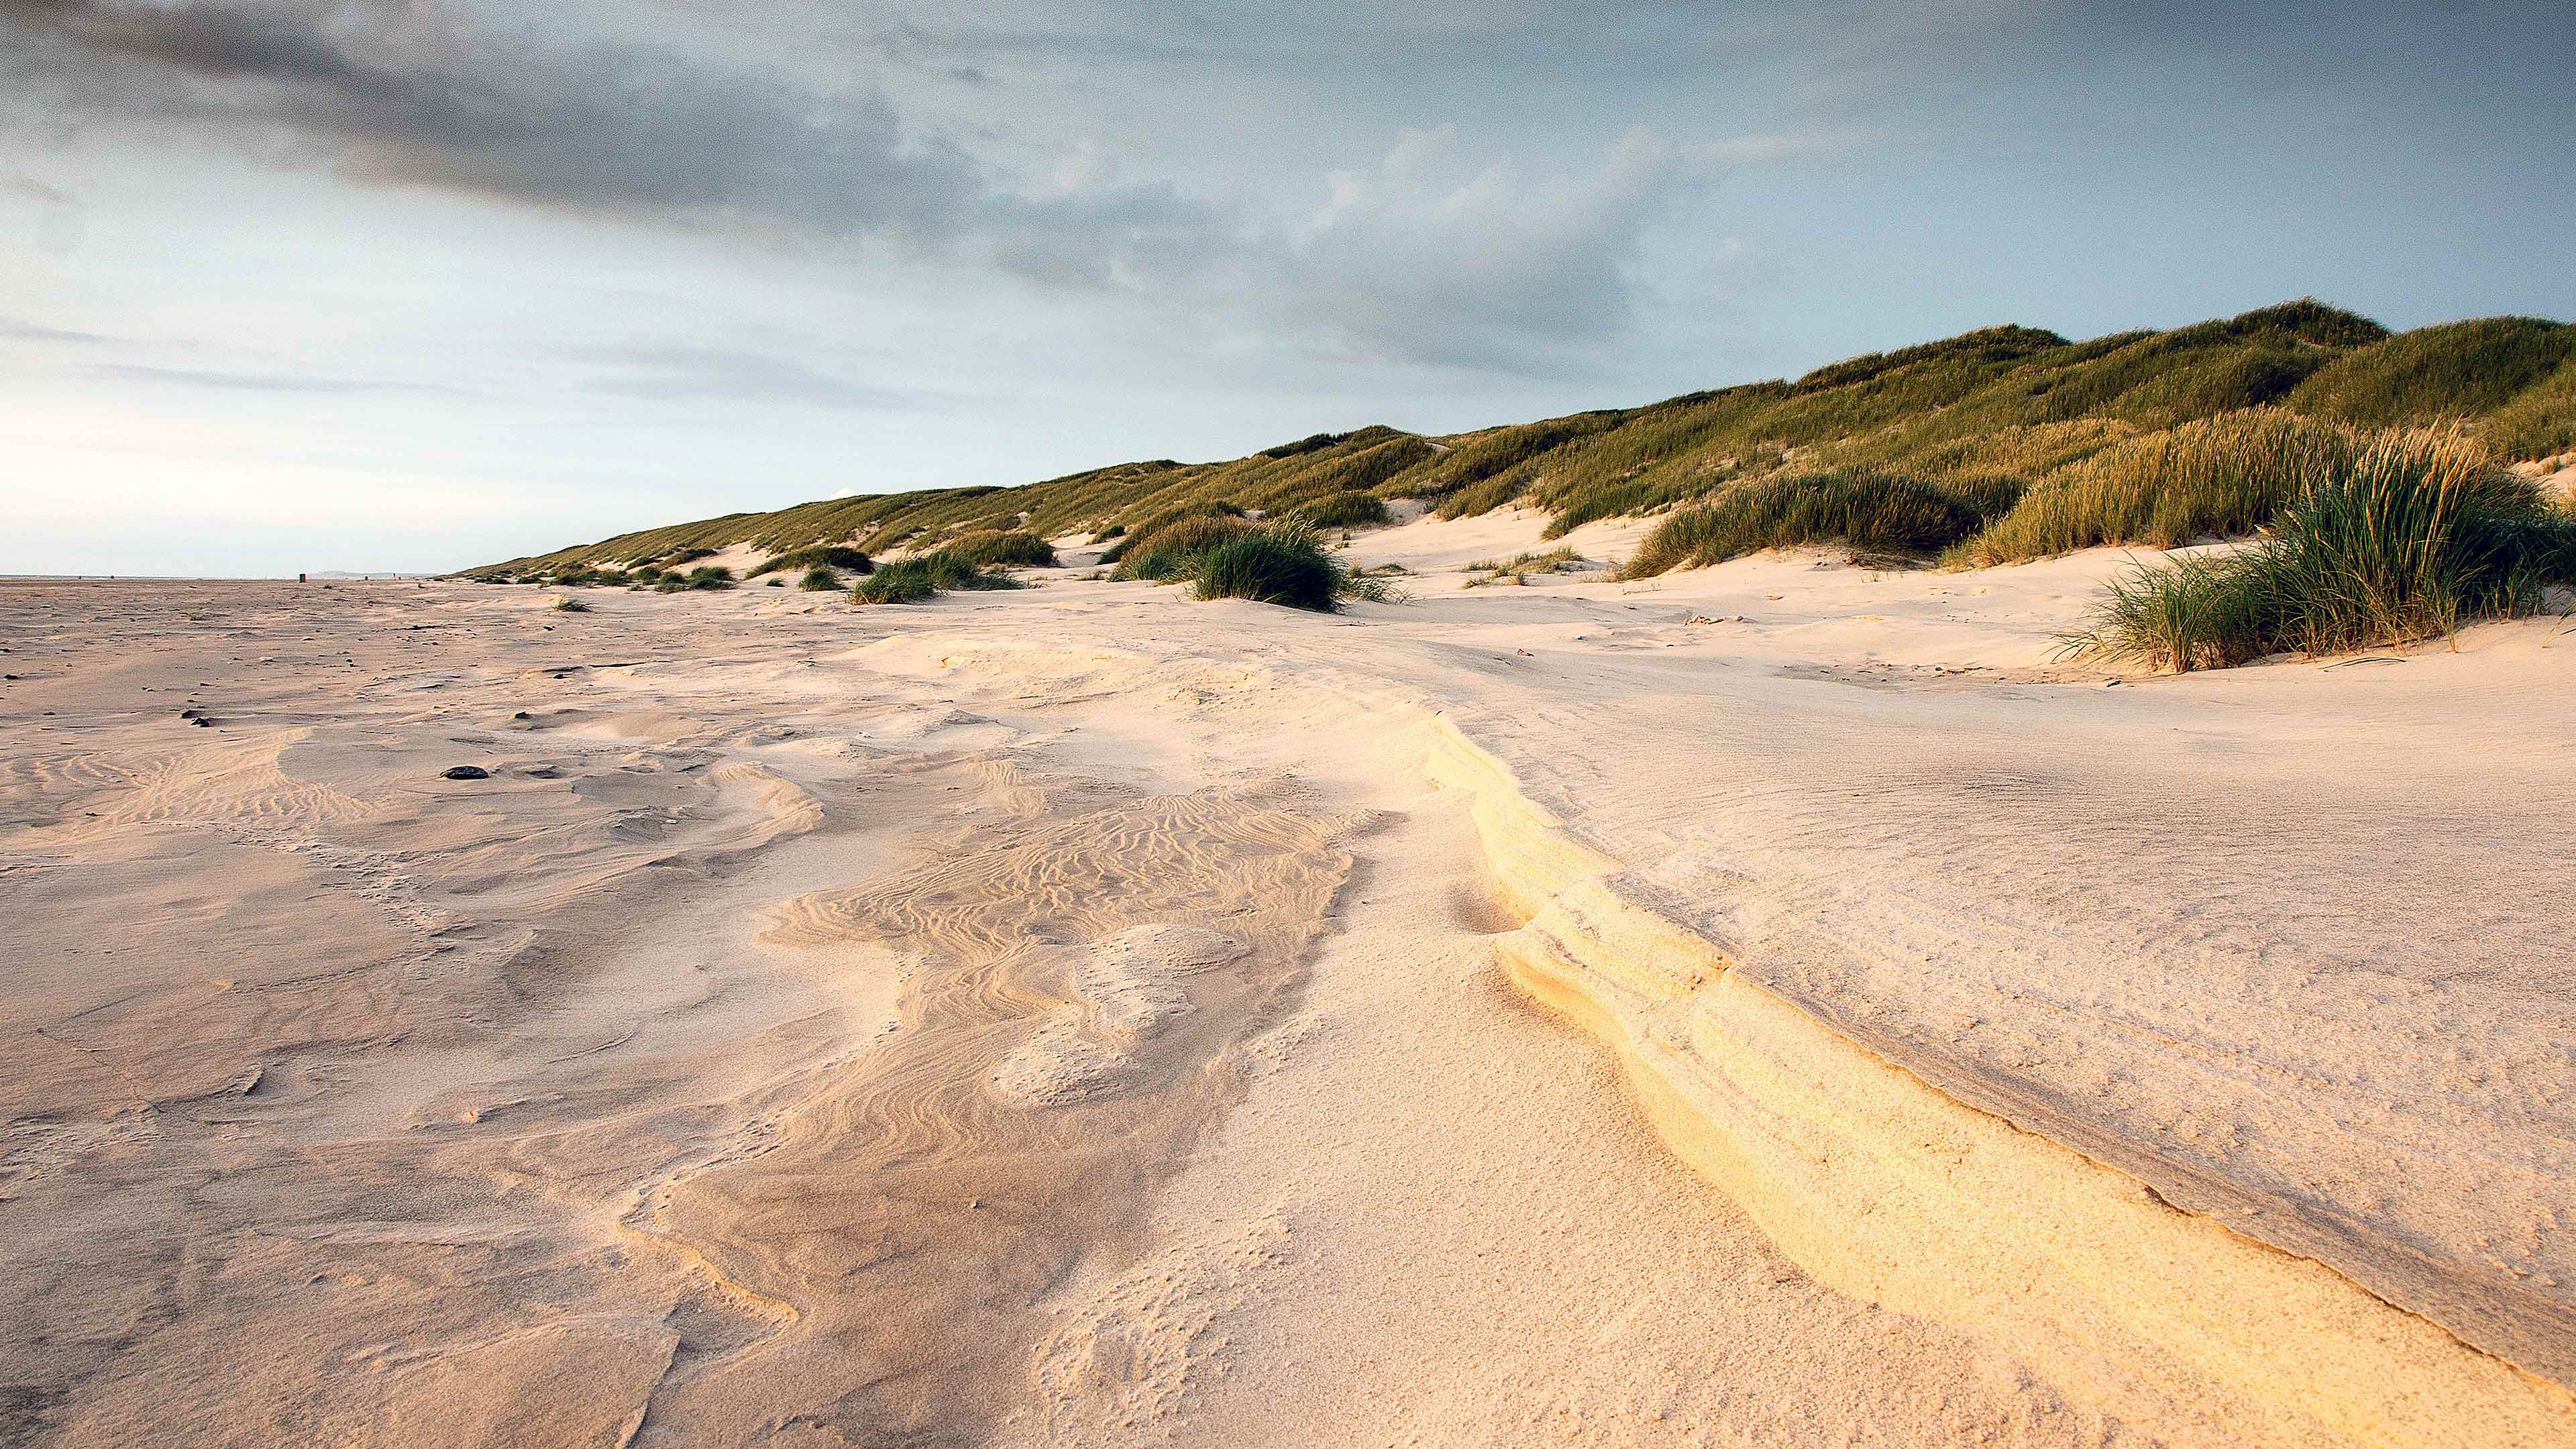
(613, 128)
(1426, 257)
(214, 40)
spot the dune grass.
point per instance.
(1344, 510)
(819, 579)
(995, 546)
(2540, 422)
(917, 580)
(703, 577)
(829, 556)
(1171, 530)
(2411, 536)
(1873, 512)
(2009, 401)
(2217, 477)
(571, 605)
(1167, 552)
(2453, 370)
(1285, 563)
(1519, 568)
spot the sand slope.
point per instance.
(1080, 1016)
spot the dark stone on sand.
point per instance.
(467, 772)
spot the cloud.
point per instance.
(20, 329)
(1423, 257)
(683, 373)
(1478, 265)
(19, 183)
(255, 381)
(624, 129)
(58, 221)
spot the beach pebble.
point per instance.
(467, 772)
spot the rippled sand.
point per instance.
(1080, 1016)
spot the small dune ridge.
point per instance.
(1888, 1190)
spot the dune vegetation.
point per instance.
(1345, 510)
(1521, 568)
(1994, 447)
(925, 576)
(1166, 552)
(2217, 477)
(1873, 512)
(2012, 402)
(2407, 537)
(990, 546)
(1285, 563)
(839, 557)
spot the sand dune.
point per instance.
(1081, 1016)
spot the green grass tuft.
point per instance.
(1520, 567)
(1166, 552)
(2411, 536)
(2218, 477)
(1344, 510)
(820, 579)
(1882, 513)
(1285, 563)
(1002, 546)
(2540, 422)
(916, 580)
(2457, 369)
(829, 556)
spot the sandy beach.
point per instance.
(1781, 1003)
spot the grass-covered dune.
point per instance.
(1966, 422)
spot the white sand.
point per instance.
(1087, 1016)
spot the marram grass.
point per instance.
(2218, 477)
(2413, 535)
(921, 578)
(1872, 512)
(2015, 402)
(1002, 546)
(1285, 562)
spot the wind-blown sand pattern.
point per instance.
(1082, 1016)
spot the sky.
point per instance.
(420, 284)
